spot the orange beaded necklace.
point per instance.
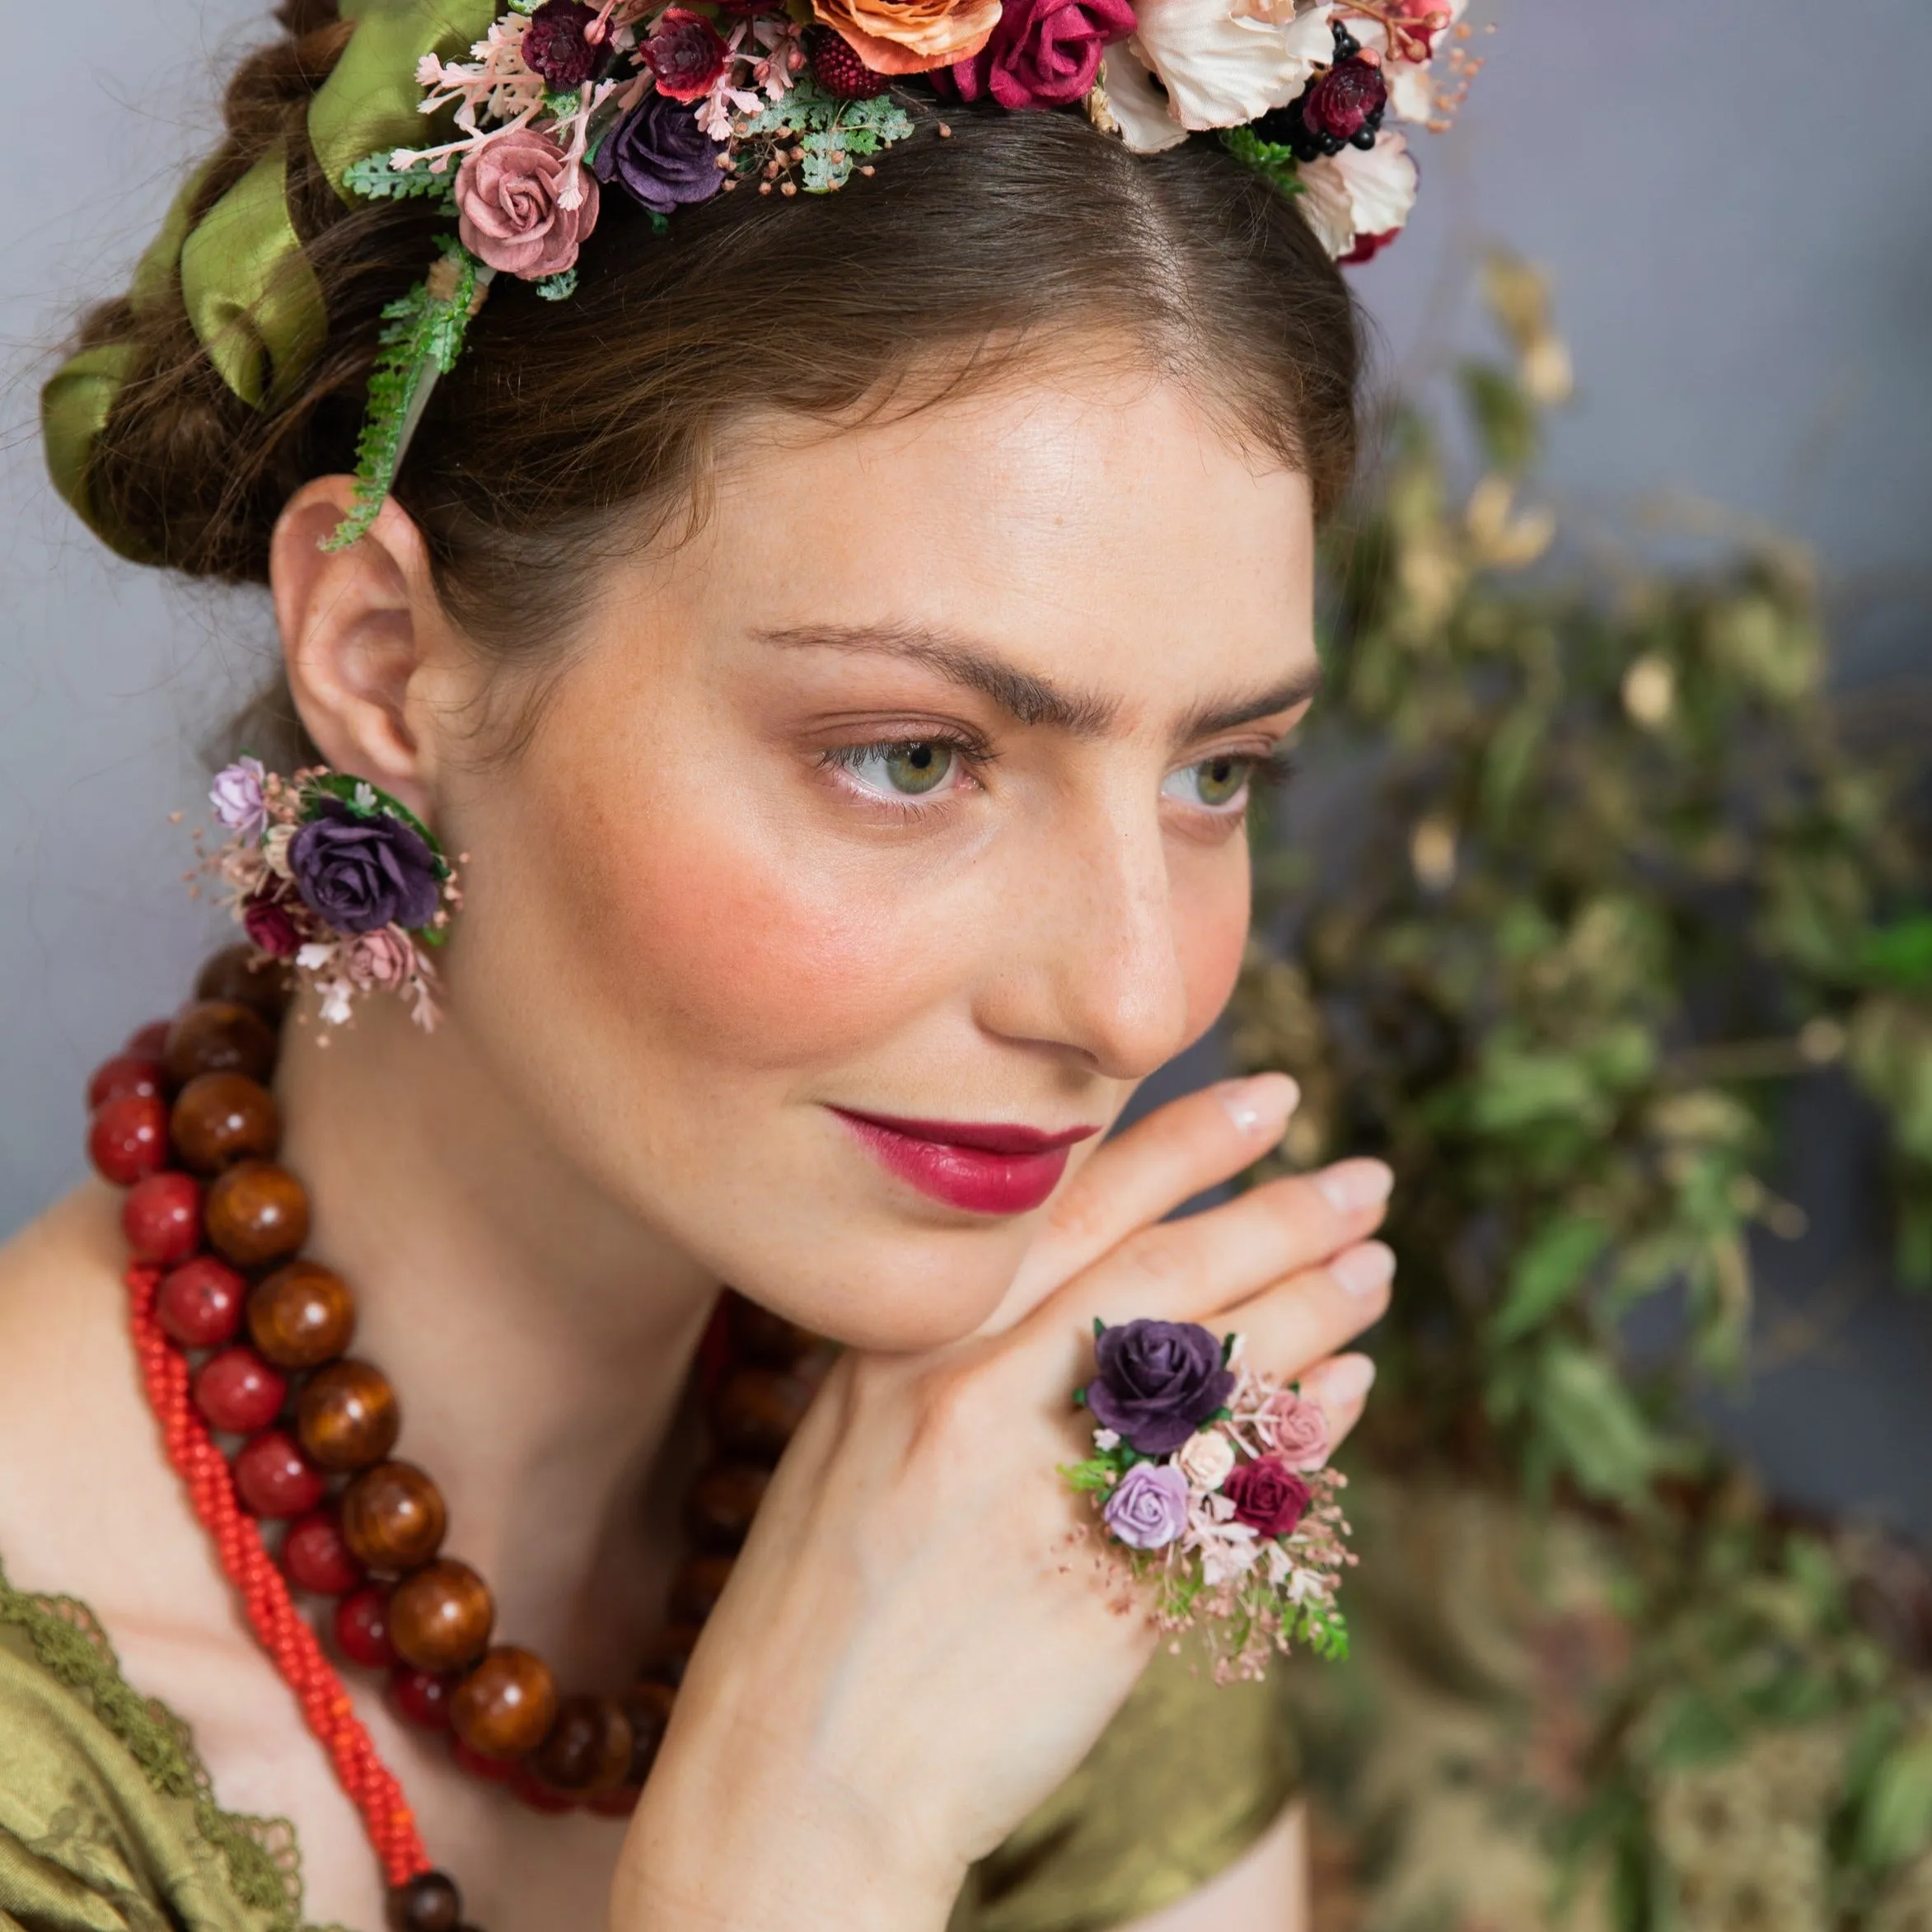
(184, 1120)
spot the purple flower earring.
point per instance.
(340, 882)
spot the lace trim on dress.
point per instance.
(263, 1860)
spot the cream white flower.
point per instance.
(1137, 104)
(1354, 193)
(1227, 1551)
(1205, 1458)
(275, 849)
(1219, 70)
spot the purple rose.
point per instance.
(1155, 1382)
(661, 156)
(1147, 1508)
(358, 874)
(237, 798)
(1268, 1496)
(1043, 53)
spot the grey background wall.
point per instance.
(1734, 203)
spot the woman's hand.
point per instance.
(917, 1646)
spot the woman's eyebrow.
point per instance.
(1023, 695)
(1218, 715)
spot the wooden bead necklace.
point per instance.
(183, 1119)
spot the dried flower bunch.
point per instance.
(1215, 1482)
(563, 102)
(341, 882)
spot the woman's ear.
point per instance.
(362, 634)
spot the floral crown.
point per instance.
(544, 109)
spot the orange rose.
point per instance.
(911, 36)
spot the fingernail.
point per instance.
(1365, 1269)
(1349, 1186)
(1345, 1380)
(1265, 1101)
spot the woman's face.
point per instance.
(879, 839)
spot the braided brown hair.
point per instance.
(568, 426)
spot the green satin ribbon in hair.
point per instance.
(249, 293)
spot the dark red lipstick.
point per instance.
(995, 1168)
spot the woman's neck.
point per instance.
(538, 1336)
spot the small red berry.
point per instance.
(421, 1697)
(238, 1391)
(317, 1559)
(161, 1218)
(837, 67)
(361, 1627)
(148, 1041)
(275, 1479)
(128, 1138)
(125, 1074)
(200, 1302)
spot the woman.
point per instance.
(842, 642)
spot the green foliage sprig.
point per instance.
(833, 137)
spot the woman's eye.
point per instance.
(910, 770)
(1215, 784)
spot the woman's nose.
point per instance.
(1090, 963)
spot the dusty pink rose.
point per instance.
(510, 205)
(381, 959)
(1296, 1430)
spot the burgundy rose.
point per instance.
(1155, 1382)
(1350, 97)
(359, 873)
(685, 53)
(510, 205)
(1268, 1496)
(1043, 53)
(269, 926)
(557, 43)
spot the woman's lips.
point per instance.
(992, 1169)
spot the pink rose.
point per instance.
(511, 197)
(381, 959)
(1043, 53)
(1295, 1429)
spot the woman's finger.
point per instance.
(1301, 1321)
(1339, 1387)
(1178, 1151)
(1194, 1269)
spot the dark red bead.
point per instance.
(275, 1479)
(494, 1770)
(127, 1138)
(127, 1073)
(150, 1041)
(238, 1391)
(199, 1304)
(421, 1697)
(316, 1557)
(361, 1627)
(161, 1218)
(428, 1902)
(530, 1789)
(619, 1803)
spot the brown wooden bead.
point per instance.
(218, 1119)
(696, 1588)
(256, 1213)
(219, 1036)
(647, 1706)
(756, 1411)
(441, 1615)
(506, 1705)
(393, 1517)
(346, 1416)
(588, 1748)
(242, 976)
(761, 1337)
(668, 1655)
(722, 1502)
(303, 1316)
(428, 1902)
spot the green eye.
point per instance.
(1216, 783)
(910, 770)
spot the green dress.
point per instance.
(108, 1823)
